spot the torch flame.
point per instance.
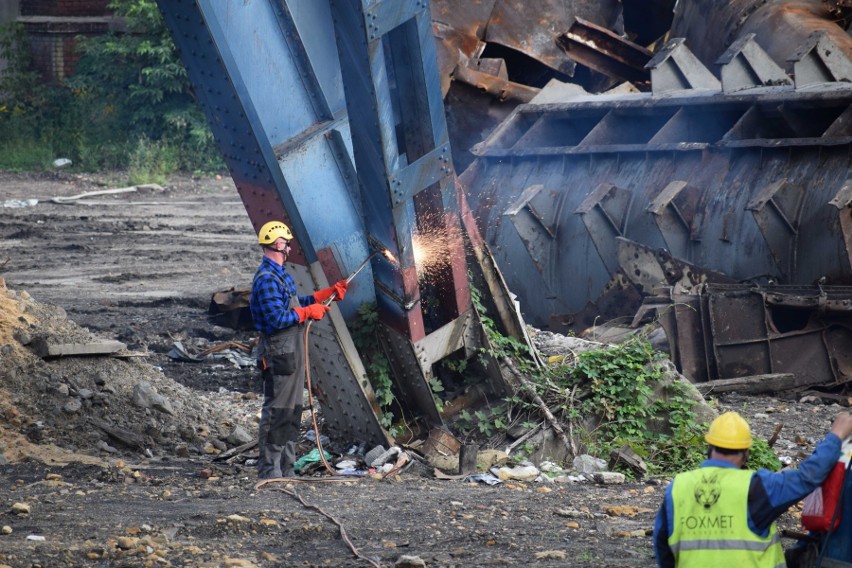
(390, 256)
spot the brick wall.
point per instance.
(64, 8)
(53, 25)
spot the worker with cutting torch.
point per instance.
(723, 514)
(279, 313)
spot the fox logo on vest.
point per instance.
(708, 491)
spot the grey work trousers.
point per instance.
(281, 414)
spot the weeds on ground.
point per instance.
(612, 388)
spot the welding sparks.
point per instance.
(432, 249)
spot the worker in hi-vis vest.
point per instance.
(722, 514)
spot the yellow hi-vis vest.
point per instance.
(710, 524)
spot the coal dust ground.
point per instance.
(140, 267)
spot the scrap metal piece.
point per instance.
(531, 27)
(604, 213)
(842, 202)
(495, 86)
(803, 331)
(780, 26)
(675, 68)
(746, 65)
(819, 60)
(600, 49)
(653, 269)
(777, 209)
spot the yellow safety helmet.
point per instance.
(272, 231)
(729, 431)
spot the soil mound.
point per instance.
(87, 408)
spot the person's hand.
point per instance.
(314, 311)
(842, 425)
(338, 291)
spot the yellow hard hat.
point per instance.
(272, 231)
(729, 431)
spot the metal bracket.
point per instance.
(604, 212)
(777, 209)
(745, 65)
(675, 68)
(384, 15)
(672, 220)
(414, 178)
(819, 60)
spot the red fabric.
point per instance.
(819, 506)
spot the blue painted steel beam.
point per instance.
(267, 76)
(401, 147)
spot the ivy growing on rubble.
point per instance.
(607, 398)
(366, 340)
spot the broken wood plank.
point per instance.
(828, 397)
(133, 188)
(233, 452)
(126, 437)
(775, 434)
(45, 347)
(752, 384)
(467, 458)
(628, 457)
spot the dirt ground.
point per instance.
(89, 477)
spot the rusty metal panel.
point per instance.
(723, 233)
(780, 27)
(782, 329)
(600, 49)
(532, 27)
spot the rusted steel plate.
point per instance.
(495, 86)
(600, 49)
(780, 27)
(532, 27)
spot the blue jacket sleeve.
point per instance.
(771, 494)
(662, 531)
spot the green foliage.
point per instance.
(128, 105)
(500, 345)
(614, 389)
(618, 380)
(761, 456)
(365, 337)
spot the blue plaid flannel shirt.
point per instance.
(270, 298)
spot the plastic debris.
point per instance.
(518, 473)
(19, 203)
(483, 478)
(311, 457)
(229, 351)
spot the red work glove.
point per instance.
(338, 291)
(314, 311)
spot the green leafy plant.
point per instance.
(365, 338)
(128, 105)
(607, 396)
(761, 456)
